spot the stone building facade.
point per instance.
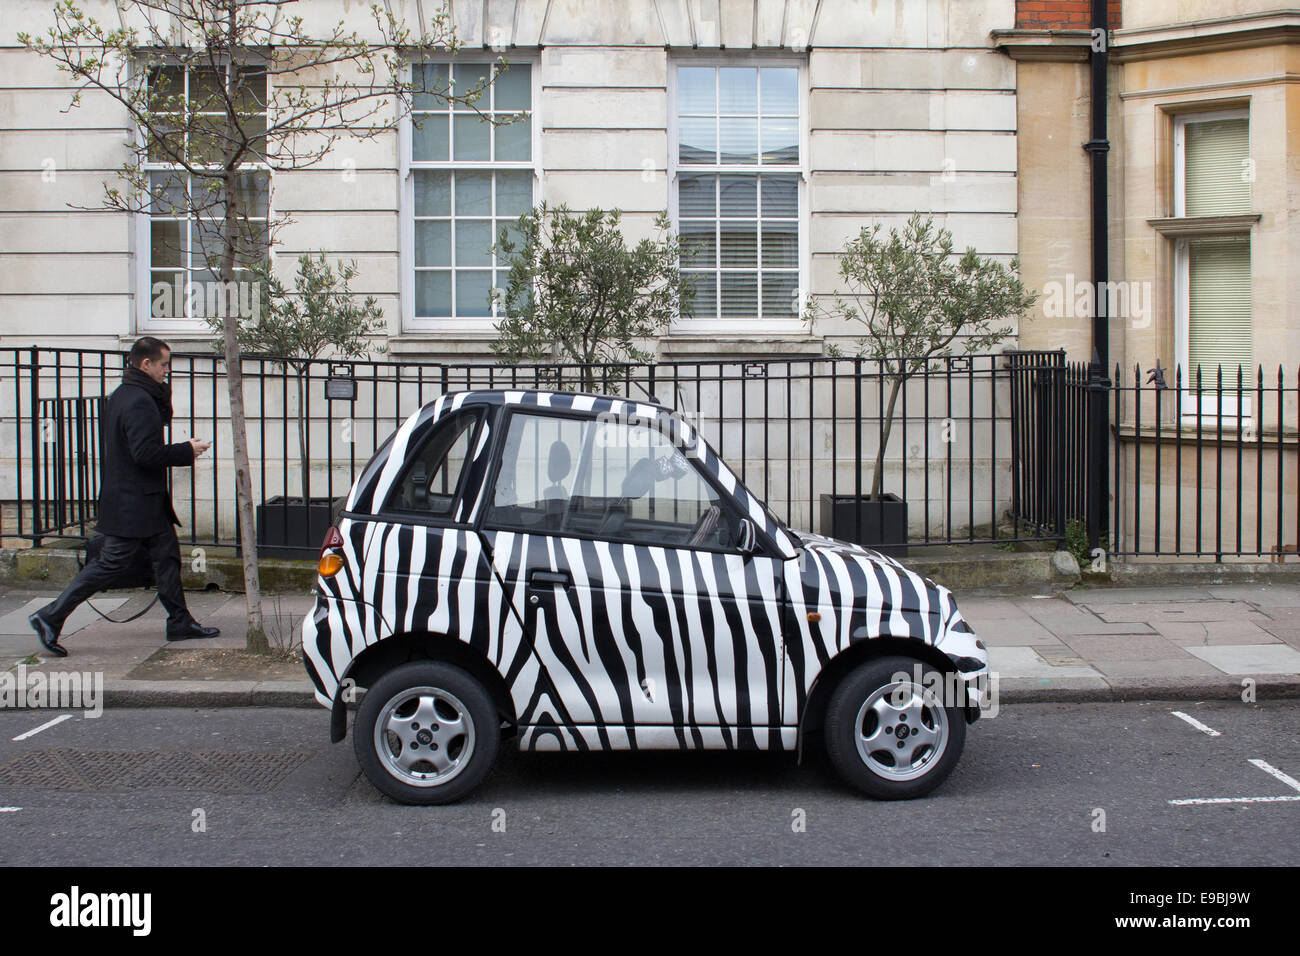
(872, 110)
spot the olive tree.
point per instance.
(914, 299)
(320, 317)
(576, 294)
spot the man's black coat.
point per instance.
(133, 498)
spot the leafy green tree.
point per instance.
(576, 294)
(320, 317)
(263, 90)
(915, 298)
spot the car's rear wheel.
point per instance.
(426, 732)
(888, 732)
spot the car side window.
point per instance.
(433, 474)
(622, 481)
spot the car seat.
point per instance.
(555, 498)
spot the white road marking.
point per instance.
(1208, 731)
(1262, 765)
(45, 726)
(1202, 800)
(1273, 771)
(10, 809)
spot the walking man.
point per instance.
(135, 508)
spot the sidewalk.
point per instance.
(1168, 643)
(141, 669)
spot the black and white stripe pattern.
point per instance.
(649, 647)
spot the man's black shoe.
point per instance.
(192, 631)
(49, 640)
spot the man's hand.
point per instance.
(199, 446)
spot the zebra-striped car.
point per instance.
(582, 572)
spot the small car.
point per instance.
(582, 572)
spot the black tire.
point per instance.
(432, 696)
(933, 756)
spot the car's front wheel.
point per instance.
(888, 732)
(426, 732)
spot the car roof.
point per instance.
(541, 396)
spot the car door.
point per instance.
(425, 568)
(623, 559)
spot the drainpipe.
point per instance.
(1098, 383)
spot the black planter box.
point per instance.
(288, 528)
(884, 522)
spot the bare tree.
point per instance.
(224, 94)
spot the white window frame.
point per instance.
(406, 168)
(141, 236)
(1209, 406)
(748, 325)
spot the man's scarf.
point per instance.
(160, 392)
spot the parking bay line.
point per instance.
(45, 726)
(1198, 801)
(1268, 769)
(10, 809)
(1274, 772)
(1208, 731)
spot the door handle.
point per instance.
(542, 578)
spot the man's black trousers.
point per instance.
(108, 569)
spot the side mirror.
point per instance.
(746, 537)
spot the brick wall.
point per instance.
(1061, 14)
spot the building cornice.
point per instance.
(1206, 36)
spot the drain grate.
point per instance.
(123, 771)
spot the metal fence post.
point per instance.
(1058, 445)
(38, 434)
(1099, 422)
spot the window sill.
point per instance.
(181, 340)
(1172, 433)
(470, 345)
(1055, 46)
(1178, 227)
(684, 345)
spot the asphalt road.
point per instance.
(133, 787)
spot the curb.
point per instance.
(1030, 690)
(1012, 690)
(178, 693)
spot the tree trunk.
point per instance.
(878, 477)
(256, 640)
(302, 439)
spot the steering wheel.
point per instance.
(620, 504)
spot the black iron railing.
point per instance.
(975, 449)
(1207, 467)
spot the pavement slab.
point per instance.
(1198, 611)
(15, 623)
(1027, 662)
(1022, 631)
(1129, 647)
(1163, 669)
(1260, 595)
(1287, 633)
(1104, 596)
(1251, 658)
(1214, 632)
(1066, 626)
(992, 609)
